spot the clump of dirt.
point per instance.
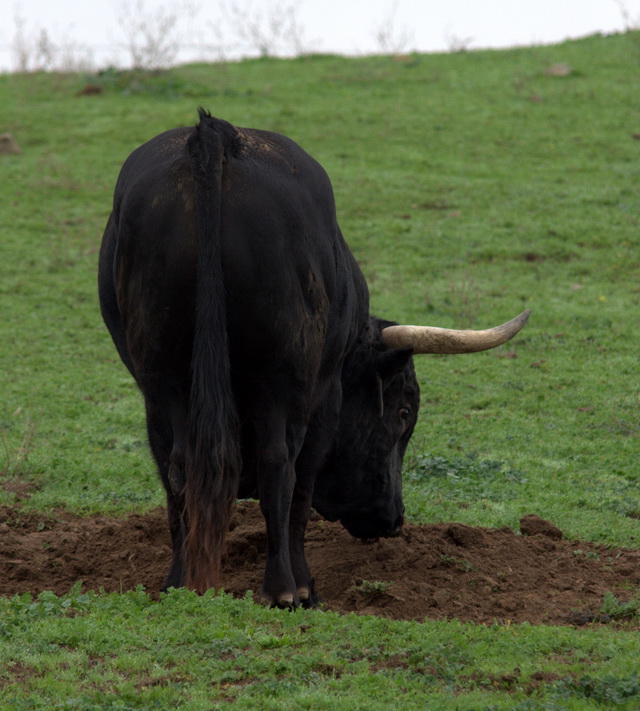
(437, 571)
(532, 525)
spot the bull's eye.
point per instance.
(405, 412)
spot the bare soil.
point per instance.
(435, 571)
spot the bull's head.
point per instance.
(361, 483)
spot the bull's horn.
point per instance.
(429, 339)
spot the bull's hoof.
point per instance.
(308, 597)
(284, 601)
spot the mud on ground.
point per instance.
(436, 571)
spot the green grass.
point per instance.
(125, 651)
(470, 186)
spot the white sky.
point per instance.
(341, 26)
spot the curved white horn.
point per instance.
(430, 339)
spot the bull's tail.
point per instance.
(212, 456)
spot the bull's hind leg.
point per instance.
(166, 428)
(277, 447)
(316, 446)
(298, 519)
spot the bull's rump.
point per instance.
(282, 257)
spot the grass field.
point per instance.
(469, 186)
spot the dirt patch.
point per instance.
(437, 571)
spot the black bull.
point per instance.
(238, 308)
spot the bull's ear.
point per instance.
(392, 361)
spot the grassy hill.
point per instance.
(469, 186)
